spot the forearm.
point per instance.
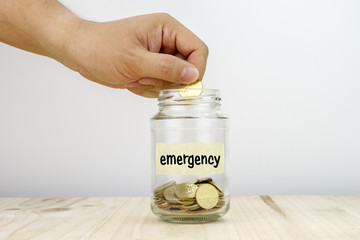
(41, 26)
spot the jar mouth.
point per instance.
(173, 105)
(173, 98)
(174, 95)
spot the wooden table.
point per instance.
(264, 217)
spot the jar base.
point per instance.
(189, 219)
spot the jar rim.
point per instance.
(173, 97)
(174, 94)
(176, 90)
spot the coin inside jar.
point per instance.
(207, 196)
(203, 180)
(187, 199)
(186, 190)
(217, 187)
(169, 193)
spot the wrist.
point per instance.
(59, 38)
(78, 42)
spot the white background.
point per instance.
(289, 76)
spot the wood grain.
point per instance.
(264, 217)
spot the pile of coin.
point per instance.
(200, 195)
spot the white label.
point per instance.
(190, 158)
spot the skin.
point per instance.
(143, 54)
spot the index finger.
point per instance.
(192, 48)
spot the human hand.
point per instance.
(143, 54)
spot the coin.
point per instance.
(158, 200)
(186, 202)
(185, 190)
(194, 89)
(207, 196)
(191, 207)
(220, 203)
(163, 205)
(203, 180)
(194, 197)
(193, 181)
(169, 193)
(217, 187)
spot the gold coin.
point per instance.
(163, 205)
(191, 207)
(194, 89)
(186, 202)
(169, 193)
(203, 180)
(158, 195)
(207, 196)
(193, 181)
(185, 190)
(175, 206)
(156, 200)
(217, 187)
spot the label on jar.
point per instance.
(190, 158)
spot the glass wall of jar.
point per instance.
(189, 158)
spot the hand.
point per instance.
(143, 54)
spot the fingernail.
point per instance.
(189, 74)
(147, 81)
(132, 84)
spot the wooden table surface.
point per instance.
(255, 217)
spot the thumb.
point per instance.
(168, 67)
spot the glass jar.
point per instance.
(189, 158)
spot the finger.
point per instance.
(133, 84)
(118, 86)
(179, 55)
(155, 82)
(144, 92)
(199, 59)
(168, 41)
(150, 88)
(158, 89)
(191, 47)
(159, 82)
(167, 67)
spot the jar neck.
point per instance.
(173, 105)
